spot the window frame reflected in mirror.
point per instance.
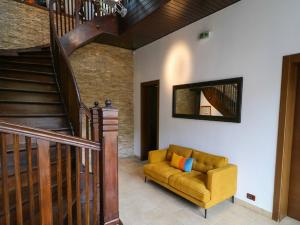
(236, 118)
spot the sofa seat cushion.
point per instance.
(192, 184)
(179, 150)
(161, 171)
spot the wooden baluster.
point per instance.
(65, 19)
(78, 183)
(109, 204)
(91, 9)
(77, 8)
(95, 128)
(87, 186)
(44, 177)
(19, 210)
(87, 10)
(56, 17)
(60, 18)
(69, 186)
(95, 186)
(30, 179)
(59, 185)
(68, 15)
(72, 13)
(5, 190)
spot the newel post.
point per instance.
(109, 204)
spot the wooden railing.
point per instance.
(223, 98)
(57, 179)
(64, 17)
(68, 14)
(69, 20)
(227, 95)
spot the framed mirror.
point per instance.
(219, 100)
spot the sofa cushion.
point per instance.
(179, 150)
(161, 171)
(192, 184)
(179, 162)
(204, 162)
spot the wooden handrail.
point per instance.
(48, 135)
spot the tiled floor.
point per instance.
(149, 204)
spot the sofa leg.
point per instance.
(205, 213)
(145, 179)
(232, 199)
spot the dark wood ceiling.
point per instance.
(149, 20)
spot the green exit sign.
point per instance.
(204, 35)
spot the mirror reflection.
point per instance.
(215, 100)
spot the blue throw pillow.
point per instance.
(188, 165)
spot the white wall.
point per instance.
(249, 40)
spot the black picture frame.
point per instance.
(235, 119)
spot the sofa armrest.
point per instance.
(157, 156)
(222, 182)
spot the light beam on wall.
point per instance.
(178, 65)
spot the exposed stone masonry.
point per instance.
(22, 26)
(107, 72)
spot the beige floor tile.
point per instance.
(150, 204)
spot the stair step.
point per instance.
(33, 115)
(4, 61)
(28, 91)
(31, 108)
(27, 81)
(27, 86)
(27, 76)
(66, 131)
(30, 102)
(49, 123)
(17, 95)
(26, 66)
(26, 71)
(36, 53)
(25, 58)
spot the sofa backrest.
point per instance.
(204, 162)
(179, 150)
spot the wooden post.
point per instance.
(95, 129)
(44, 177)
(109, 202)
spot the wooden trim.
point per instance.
(285, 136)
(145, 84)
(48, 135)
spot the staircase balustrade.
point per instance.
(69, 21)
(64, 179)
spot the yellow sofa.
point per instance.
(211, 181)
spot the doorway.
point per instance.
(149, 117)
(287, 183)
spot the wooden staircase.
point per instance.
(223, 98)
(30, 96)
(29, 92)
(44, 174)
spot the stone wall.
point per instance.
(22, 26)
(185, 101)
(107, 72)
